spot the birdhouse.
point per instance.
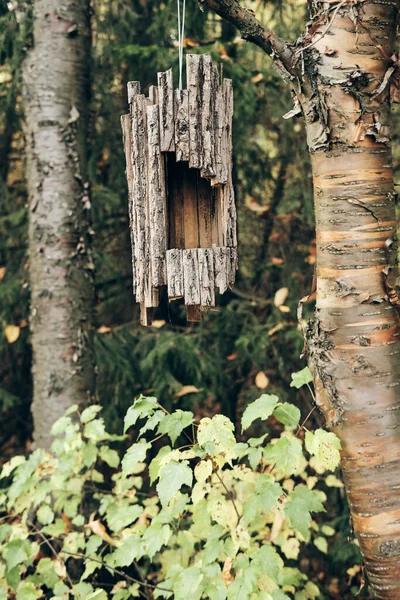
(178, 150)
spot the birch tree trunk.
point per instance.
(56, 96)
(340, 72)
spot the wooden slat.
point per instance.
(133, 89)
(207, 117)
(216, 205)
(153, 94)
(156, 200)
(175, 178)
(206, 276)
(193, 76)
(221, 262)
(190, 214)
(127, 138)
(191, 277)
(204, 205)
(166, 104)
(139, 167)
(182, 125)
(175, 273)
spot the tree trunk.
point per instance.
(56, 98)
(354, 345)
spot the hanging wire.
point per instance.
(181, 37)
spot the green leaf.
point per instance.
(240, 588)
(158, 462)
(279, 595)
(89, 413)
(134, 455)
(300, 503)
(301, 378)
(325, 446)
(45, 515)
(142, 407)
(267, 493)
(288, 414)
(174, 424)
(216, 590)
(154, 538)
(119, 517)
(262, 408)
(109, 456)
(28, 591)
(12, 464)
(203, 470)
(216, 436)
(127, 552)
(322, 544)
(187, 584)
(152, 422)
(17, 552)
(286, 453)
(95, 430)
(172, 477)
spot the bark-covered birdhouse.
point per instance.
(178, 149)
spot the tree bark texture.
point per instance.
(354, 346)
(56, 95)
(340, 72)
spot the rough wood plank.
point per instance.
(232, 265)
(207, 117)
(221, 262)
(153, 94)
(146, 315)
(127, 138)
(220, 139)
(175, 179)
(226, 149)
(216, 205)
(204, 206)
(166, 104)
(190, 213)
(182, 125)
(175, 274)
(206, 276)
(229, 215)
(139, 168)
(156, 200)
(193, 77)
(133, 89)
(191, 277)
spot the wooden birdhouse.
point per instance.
(178, 149)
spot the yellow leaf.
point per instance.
(158, 324)
(257, 78)
(12, 333)
(227, 576)
(284, 309)
(252, 204)
(187, 389)
(98, 528)
(2, 272)
(280, 296)
(232, 356)
(261, 380)
(104, 329)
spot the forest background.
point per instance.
(252, 342)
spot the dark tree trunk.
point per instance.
(56, 97)
(340, 71)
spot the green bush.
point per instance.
(210, 517)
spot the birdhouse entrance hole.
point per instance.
(178, 150)
(194, 207)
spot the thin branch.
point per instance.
(252, 30)
(53, 550)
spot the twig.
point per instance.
(239, 516)
(53, 550)
(117, 571)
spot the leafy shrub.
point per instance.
(211, 518)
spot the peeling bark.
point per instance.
(340, 72)
(56, 94)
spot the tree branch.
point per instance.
(252, 30)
